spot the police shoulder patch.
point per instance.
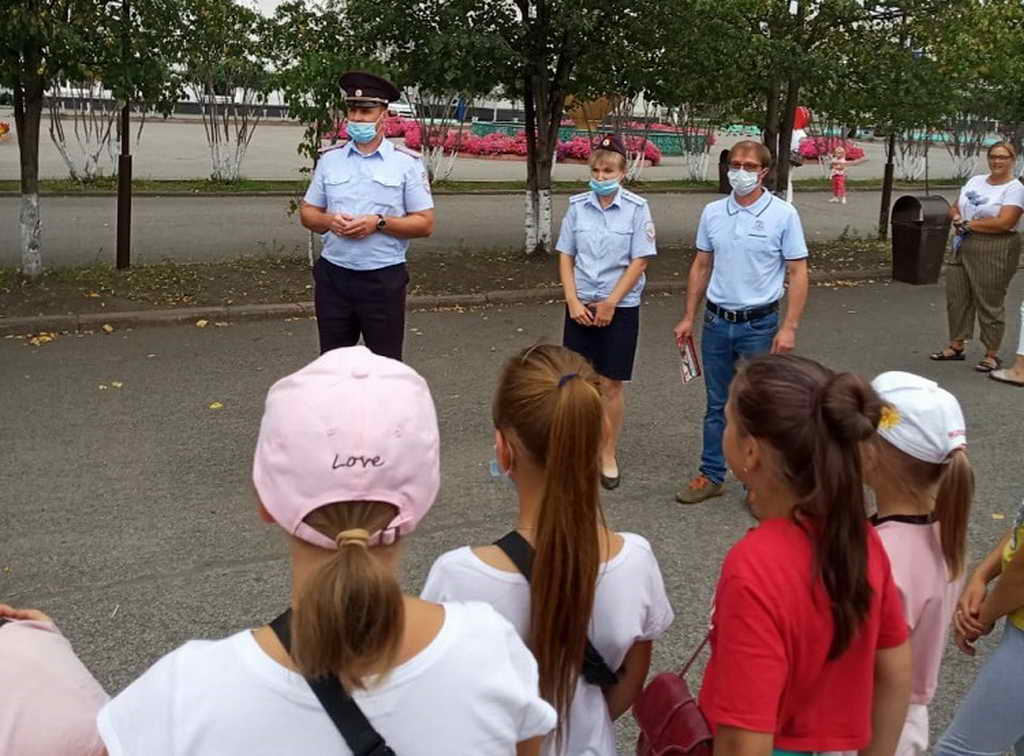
(407, 151)
(636, 199)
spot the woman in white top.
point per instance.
(587, 582)
(346, 464)
(986, 251)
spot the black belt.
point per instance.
(742, 316)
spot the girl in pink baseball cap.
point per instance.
(346, 464)
(589, 601)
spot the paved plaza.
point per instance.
(177, 149)
(127, 511)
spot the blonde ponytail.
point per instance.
(952, 509)
(349, 618)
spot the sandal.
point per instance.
(1003, 376)
(948, 354)
(988, 364)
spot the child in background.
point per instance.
(924, 486)
(838, 166)
(48, 699)
(347, 465)
(606, 239)
(809, 648)
(587, 582)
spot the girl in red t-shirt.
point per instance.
(809, 646)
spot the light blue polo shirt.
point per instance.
(751, 246)
(604, 241)
(391, 181)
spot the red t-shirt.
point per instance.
(771, 632)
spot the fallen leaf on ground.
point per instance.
(998, 516)
(117, 384)
(202, 323)
(107, 328)
(216, 405)
(103, 387)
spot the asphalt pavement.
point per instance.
(126, 509)
(82, 230)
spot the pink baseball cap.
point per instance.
(350, 426)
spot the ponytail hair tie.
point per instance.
(566, 378)
(354, 537)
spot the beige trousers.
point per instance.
(976, 282)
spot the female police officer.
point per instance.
(368, 197)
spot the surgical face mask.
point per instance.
(743, 182)
(604, 188)
(361, 132)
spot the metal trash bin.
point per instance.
(723, 173)
(920, 231)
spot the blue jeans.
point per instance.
(990, 719)
(722, 345)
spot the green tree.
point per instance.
(41, 41)
(224, 60)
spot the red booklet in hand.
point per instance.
(689, 363)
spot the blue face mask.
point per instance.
(361, 133)
(604, 188)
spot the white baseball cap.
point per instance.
(350, 426)
(922, 419)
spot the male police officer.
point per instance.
(368, 197)
(746, 244)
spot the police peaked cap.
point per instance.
(612, 143)
(367, 89)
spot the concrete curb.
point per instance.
(647, 189)
(95, 321)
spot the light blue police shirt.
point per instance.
(391, 181)
(604, 241)
(751, 246)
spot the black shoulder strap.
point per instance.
(595, 669)
(353, 725)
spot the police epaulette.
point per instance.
(406, 150)
(579, 197)
(635, 198)
(330, 147)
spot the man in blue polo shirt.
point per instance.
(746, 245)
(368, 198)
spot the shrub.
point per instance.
(815, 147)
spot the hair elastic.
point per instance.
(566, 378)
(355, 536)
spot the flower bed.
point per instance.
(499, 144)
(813, 148)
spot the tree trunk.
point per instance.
(771, 131)
(883, 211)
(28, 108)
(786, 132)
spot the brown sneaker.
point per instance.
(699, 489)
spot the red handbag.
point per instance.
(670, 722)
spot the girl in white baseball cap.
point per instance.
(347, 465)
(924, 487)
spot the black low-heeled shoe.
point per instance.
(610, 484)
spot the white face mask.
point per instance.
(743, 182)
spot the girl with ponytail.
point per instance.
(809, 647)
(587, 584)
(924, 486)
(347, 465)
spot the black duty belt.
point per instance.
(742, 316)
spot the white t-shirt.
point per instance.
(630, 606)
(472, 691)
(980, 199)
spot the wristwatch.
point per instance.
(381, 222)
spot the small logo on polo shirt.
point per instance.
(759, 225)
